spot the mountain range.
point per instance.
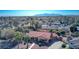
(46, 14)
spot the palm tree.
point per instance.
(18, 37)
(51, 31)
(26, 38)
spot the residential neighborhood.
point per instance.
(39, 32)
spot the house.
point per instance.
(77, 28)
(24, 24)
(54, 25)
(44, 26)
(56, 45)
(74, 43)
(43, 38)
(42, 35)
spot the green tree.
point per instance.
(64, 46)
(26, 38)
(50, 30)
(62, 33)
(18, 37)
(73, 29)
(7, 34)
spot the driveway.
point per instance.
(56, 45)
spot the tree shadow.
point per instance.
(8, 44)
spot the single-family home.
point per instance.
(40, 35)
(74, 43)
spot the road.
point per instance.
(31, 46)
(56, 45)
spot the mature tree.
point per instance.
(26, 38)
(62, 33)
(63, 45)
(18, 37)
(51, 30)
(19, 29)
(7, 34)
(73, 29)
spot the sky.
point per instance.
(35, 12)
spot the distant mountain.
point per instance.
(46, 14)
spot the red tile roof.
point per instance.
(42, 35)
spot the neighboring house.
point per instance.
(77, 28)
(6, 26)
(45, 26)
(55, 25)
(56, 45)
(74, 43)
(24, 25)
(2, 25)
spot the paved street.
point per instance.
(56, 45)
(31, 45)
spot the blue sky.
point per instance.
(34, 12)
